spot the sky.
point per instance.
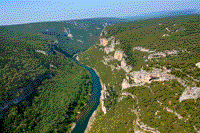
(27, 11)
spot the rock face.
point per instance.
(108, 58)
(198, 64)
(118, 55)
(193, 93)
(125, 84)
(165, 35)
(109, 49)
(141, 76)
(53, 66)
(40, 51)
(123, 63)
(129, 77)
(167, 29)
(49, 52)
(112, 67)
(103, 96)
(157, 55)
(118, 67)
(77, 58)
(142, 49)
(173, 52)
(103, 42)
(158, 75)
(127, 69)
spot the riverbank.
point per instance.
(102, 93)
(90, 122)
(100, 106)
(73, 125)
(72, 128)
(94, 116)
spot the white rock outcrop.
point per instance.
(112, 67)
(117, 42)
(141, 76)
(157, 55)
(158, 75)
(128, 68)
(142, 49)
(165, 35)
(108, 58)
(192, 93)
(109, 49)
(125, 84)
(103, 41)
(118, 55)
(104, 62)
(173, 52)
(123, 63)
(127, 77)
(102, 97)
(118, 67)
(111, 38)
(53, 66)
(167, 29)
(174, 112)
(198, 64)
(77, 58)
(40, 51)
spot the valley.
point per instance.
(36, 49)
(102, 75)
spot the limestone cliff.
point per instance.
(150, 82)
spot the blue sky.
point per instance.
(19, 12)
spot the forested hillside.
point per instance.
(150, 75)
(53, 105)
(84, 31)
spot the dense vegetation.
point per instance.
(183, 36)
(55, 103)
(54, 106)
(85, 31)
(148, 33)
(119, 118)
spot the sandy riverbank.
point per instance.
(73, 126)
(90, 122)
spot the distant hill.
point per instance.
(85, 31)
(164, 14)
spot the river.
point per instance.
(64, 46)
(84, 116)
